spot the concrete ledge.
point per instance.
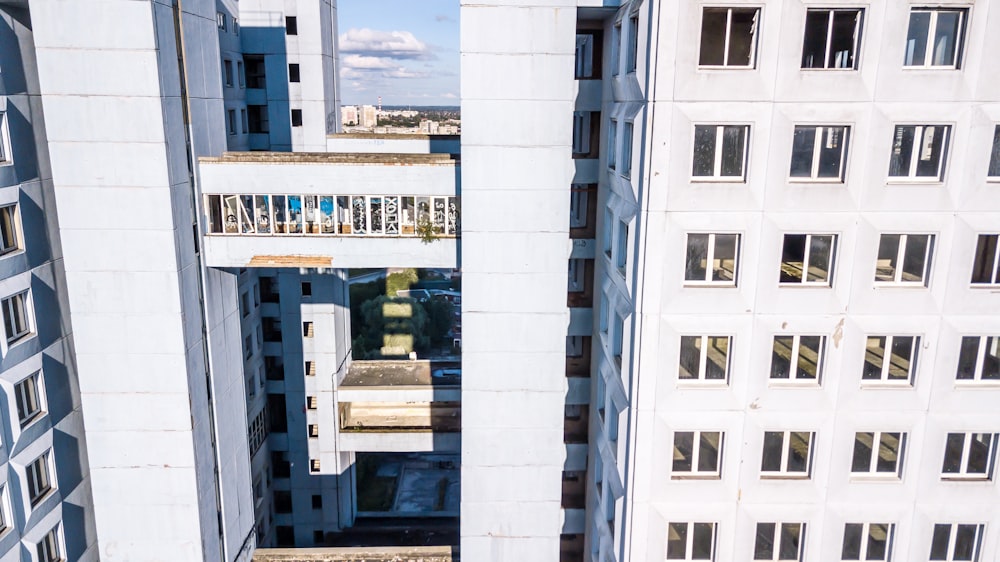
(358, 554)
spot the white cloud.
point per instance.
(362, 62)
(391, 44)
(449, 96)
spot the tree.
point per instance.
(391, 327)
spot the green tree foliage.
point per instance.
(400, 281)
(391, 327)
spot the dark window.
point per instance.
(589, 51)
(282, 501)
(257, 119)
(293, 73)
(280, 465)
(276, 407)
(255, 73)
(291, 25)
(285, 535)
(307, 289)
(317, 501)
(831, 39)
(318, 538)
(296, 117)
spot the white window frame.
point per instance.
(52, 542)
(689, 540)
(717, 164)
(872, 472)
(37, 385)
(6, 159)
(804, 274)
(710, 258)
(858, 26)
(866, 533)
(982, 348)
(752, 64)
(793, 378)
(29, 317)
(814, 177)
(696, 457)
(220, 20)
(953, 542)
(11, 215)
(919, 139)
(963, 472)
(934, 11)
(900, 256)
(884, 379)
(995, 271)
(776, 541)
(45, 468)
(700, 379)
(786, 446)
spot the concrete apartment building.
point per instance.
(729, 284)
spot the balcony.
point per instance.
(319, 210)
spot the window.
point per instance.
(616, 39)
(227, 65)
(787, 454)
(711, 258)
(291, 25)
(307, 289)
(986, 267)
(797, 358)
(890, 359)
(28, 398)
(819, 152)
(697, 453)
(690, 541)
(633, 44)
(220, 19)
(904, 259)
(16, 317)
(729, 37)
(243, 119)
(255, 71)
(956, 541)
(627, 150)
(240, 75)
(236, 26)
(807, 259)
(317, 501)
(704, 358)
(779, 542)
(608, 232)
(247, 347)
(720, 152)
(867, 541)
(888, 460)
(296, 117)
(4, 510)
(257, 118)
(39, 483)
(979, 359)
(832, 38)
(969, 456)
(293, 72)
(48, 548)
(9, 238)
(621, 259)
(586, 134)
(934, 38)
(307, 329)
(617, 344)
(994, 171)
(5, 157)
(588, 54)
(612, 140)
(231, 121)
(918, 151)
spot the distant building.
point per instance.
(368, 116)
(349, 115)
(429, 127)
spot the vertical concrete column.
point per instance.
(517, 113)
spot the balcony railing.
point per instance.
(333, 215)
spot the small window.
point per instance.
(255, 71)
(29, 399)
(986, 267)
(16, 317)
(245, 303)
(633, 44)
(711, 259)
(720, 152)
(220, 20)
(5, 157)
(247, 347)
(317, 501)
(831, 39)
(5, 519)
(9, 227)
(627, 150)
(797, 358)
(307, 329)
(993, 173)
(697, 454)
(293, 72)
(231, 121)
(904, 259)
(621, 259)
(787, 454)
(608, 232)
(307, 289)
(296, 117)
(49, 548)
(586, 134)
(588, 54)
(819, 152)
(956, 541)
(934, 38)
(890, 360)
(236, 26)
(318, 538)
(691, 541)
(612, 144)
(886, 462)
(729, 37)
(807, 259)
(969, 456)
(617, 344)
(704, 358)
(979, 359)
(919, 152)
(38, 478)
(314, 465)
(243, 119)
(313, 430)
(779, 542)
(240, 74)
(227, 65)
(291, 25)
(867, 542)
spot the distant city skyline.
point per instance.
(404, 51)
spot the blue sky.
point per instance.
(403, 50)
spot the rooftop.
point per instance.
(357, 554)
(355, 158)
(405, 136)
(403, 373)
